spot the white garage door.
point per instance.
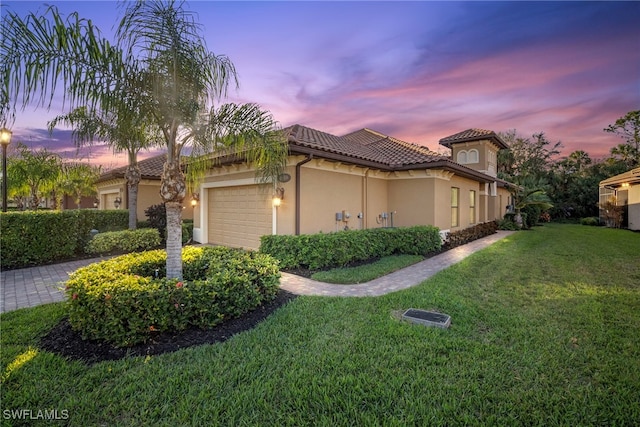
(238, 216)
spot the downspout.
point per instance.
(298, 167)
(365, 198)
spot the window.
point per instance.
(462, 157)
(472, 207)
(472, 156)
(455, 203)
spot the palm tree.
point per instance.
(161, 64)
(528, 192)
(79, 180)
(126, 130)
(35, 169)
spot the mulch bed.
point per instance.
(66, 342)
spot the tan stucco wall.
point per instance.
(323, 194)
(421, 197)
(148, 195)
(487, 155)
(411, 201)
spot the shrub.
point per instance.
(338, 249)
(122, 301)
(124, 241)
(187, 231)
(157, 215)
(592, 220)
(461, 237)
(507, 224)
(42, 237)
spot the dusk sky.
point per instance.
(418, 71)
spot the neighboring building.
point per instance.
(360, 180)
(625, 190)
(112, 188)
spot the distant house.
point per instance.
(112, 188)
(364, 179)
(624, 189)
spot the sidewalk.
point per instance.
(396, 281)
(29, 287)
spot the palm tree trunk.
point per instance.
(132, 176)
(173, 189)
(174, 239)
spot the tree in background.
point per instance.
(78, 180)
(526, 157)
(527, 164)
(32, 170)
(628, 128)
(125, 130)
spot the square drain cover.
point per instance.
(427, 318)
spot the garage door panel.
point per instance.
(239, 216)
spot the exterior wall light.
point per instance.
(5, 139)
(278, 197)
(195, 198)
(117, 202)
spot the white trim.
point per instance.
(274, 220)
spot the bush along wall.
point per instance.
(461, 237)
(42, 237)
(125, 300)
(124, 241)
(315, 251)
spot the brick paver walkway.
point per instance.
(401, 279)
(28, 287)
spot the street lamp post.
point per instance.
(5, 139)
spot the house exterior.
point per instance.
(364, 179)
(113, 192)
(625, 189)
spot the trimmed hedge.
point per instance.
(41, 237)
(315, 251)
(124, 241)
(121, 300)
(461, 237)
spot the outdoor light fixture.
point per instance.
(95, 204)
(117, 202)
(195, 198)
(5, 139)
(278, 197)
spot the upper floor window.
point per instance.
(470, 156)
(462, 157)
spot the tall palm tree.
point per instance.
(125, 130)
(160, 63)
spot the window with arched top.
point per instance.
(472, 156)
(462, 157)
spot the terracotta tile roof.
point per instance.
(365, 144)
(473, 135)
(150, 168)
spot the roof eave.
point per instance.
(494, 138)
(297, 149)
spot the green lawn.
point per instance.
(367, 272)
(545, 331)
